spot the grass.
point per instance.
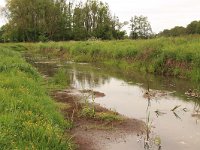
(108, 116)
(178, 56)
(29, 119)
(90, 111)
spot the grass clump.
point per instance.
(88, 112)
(108, 116)
(29, 119)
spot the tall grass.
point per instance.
(29, 119)
(178, 56)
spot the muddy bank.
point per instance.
(92, 133)
(96, 94)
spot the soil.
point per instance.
(95, 93)
(92, 133)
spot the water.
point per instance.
(179, 129)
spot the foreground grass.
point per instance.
(166, 56)
(29, 119)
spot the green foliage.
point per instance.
(88, 112)
(166, 56)
(59, 20)
(108, 116)
(192, 28)
(140, 28)
(29, 119)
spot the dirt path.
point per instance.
(92, 133)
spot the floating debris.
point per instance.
(139, 84)
(159, 113)
(176, 115)
(156, 93)
(95, 93)
(192, 93)
(175, 107)
(185, 110)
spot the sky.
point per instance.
(162, 14)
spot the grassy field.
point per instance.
(29, 119)
(178, 57)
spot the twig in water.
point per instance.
(176, 107)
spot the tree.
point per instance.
(42, 20)
(193, 27)
(140, 28)
(79, 30)
(2, 36)
(117, 26)
(176, 31)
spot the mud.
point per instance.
(95, 93)
(92, 133)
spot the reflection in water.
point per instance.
(196, 111)
(87, 80)
(178, 129)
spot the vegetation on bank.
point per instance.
(29, 119)
(178, 57)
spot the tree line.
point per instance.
(61, 20)
(41, 20)
(192, 28)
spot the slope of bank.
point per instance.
(29, 119)
(178, 57)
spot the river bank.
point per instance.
(94, 126)
(112, 58)
(164, 108)
(40, 122)
(177, 57)
(29, 118)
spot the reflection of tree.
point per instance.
(196, 107)
(196, 111)
(87, 79)
(46, 68)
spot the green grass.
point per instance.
(89, 111)
(108, 116)
(178, 56)
(29, 119)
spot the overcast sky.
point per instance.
(162, 14)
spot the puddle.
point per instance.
(173, 119)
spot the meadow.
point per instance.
(29, 118)
(173, 56)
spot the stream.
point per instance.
(172, 117)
